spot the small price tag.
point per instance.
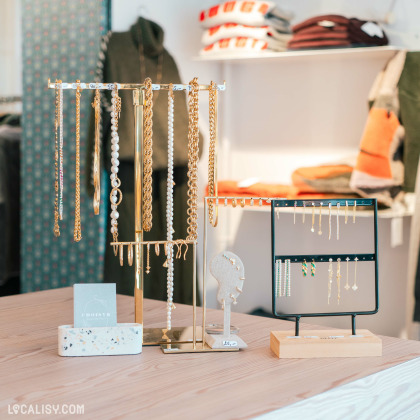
(228, 343)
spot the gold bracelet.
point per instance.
(193, 138)
(212, 172)
(96, 105)
(56, 125)
(77, 221)
(147, 156)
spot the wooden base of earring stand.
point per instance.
(325, 343)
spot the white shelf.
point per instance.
(369, 52)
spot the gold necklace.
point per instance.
(96, 104)
(56, 124)
(77, 221)
(212, 173)
(193, 138)
(147, 156)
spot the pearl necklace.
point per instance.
(170, 208)
(115, 181)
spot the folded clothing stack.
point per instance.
(336, 31)
(243, 27)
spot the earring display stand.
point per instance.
(177, 339)
(324, 343)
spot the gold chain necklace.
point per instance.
(56, 124)
(193, 138)
(96, 159)
(77, 221)
(147, 156)
(212, 173)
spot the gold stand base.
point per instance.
(189, 348)
(157, 336)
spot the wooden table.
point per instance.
(151, 385)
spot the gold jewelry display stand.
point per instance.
(178, 339)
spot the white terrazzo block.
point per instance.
(100, 341)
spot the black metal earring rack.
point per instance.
(359, 202)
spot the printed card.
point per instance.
(95, 305)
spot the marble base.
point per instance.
(100, 341)
(217, 341)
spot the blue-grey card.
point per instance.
(95, 305)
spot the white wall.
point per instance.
(10, 52)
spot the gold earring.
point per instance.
(165, 248)
(329, 221)
(186, 250)
(303, 214)
(148, 259)
(338, 280)
(313, 218)
(121, 255)
(179, 250)
(354, 287)
(338, 221)
(330, 279)
(320, 219)
(354, 212)
(157, 249)
(346, 214)
(242, 202)
(130, 254)
(234, 202)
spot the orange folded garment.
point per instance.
(379, 171)
(332, 179)
(290, 192)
